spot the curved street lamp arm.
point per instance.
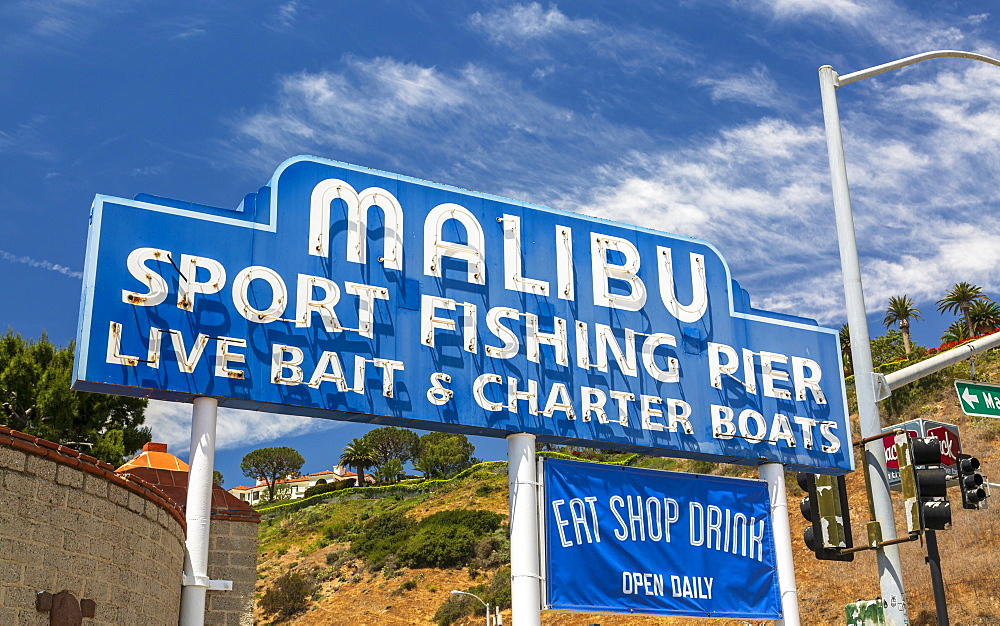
(853, 77)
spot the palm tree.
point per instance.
(359, 455)
(845, 348)
(959, 299)
(391, 472)
(985, 315)
(899, 312)
(955, 333)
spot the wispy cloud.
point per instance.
(518, 23)
(478, 127)
(754, 87)
(542, 33)
(921, 162)
(892, 25)
(40, 264)
(170, 423)
(284, 16)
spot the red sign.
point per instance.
(890, 450)
(951, 445)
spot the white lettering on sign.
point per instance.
(454, 246)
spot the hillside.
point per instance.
(313, 541)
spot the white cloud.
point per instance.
(170, 423)
(520, 22)
(891, 24)
(40, 264)
(841, 10)
(754, 87)
(922, 159)
(477, 127)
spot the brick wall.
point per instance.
(69, 523)
(232, 555)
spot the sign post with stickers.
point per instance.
(346, 293)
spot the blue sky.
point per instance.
(700, 118)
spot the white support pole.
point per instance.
(198, 511)
(890, 569)
(774, 474)
(524, 560)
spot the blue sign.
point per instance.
(650, 542)
(345, 293)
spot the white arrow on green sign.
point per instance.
(978, 398)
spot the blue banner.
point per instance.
(346, 293)
(651, 542)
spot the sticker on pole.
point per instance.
(651, 542)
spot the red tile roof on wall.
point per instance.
(155, 455)
(90, 465)
(157, 466)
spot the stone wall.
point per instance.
(232, 555)
(69, 523)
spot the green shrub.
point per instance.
(477, 521)
(439, 546)
(382, 536)
(315, 490)
(289, 594)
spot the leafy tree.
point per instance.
(985, 316)
(959, 299)
(391, 472)
(357, 454)
(442, 455)
(36, 398)
(217, 477)
(887, 348)
(272, 465)
(388, 443)
(899, 312)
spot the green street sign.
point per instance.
(978, 398)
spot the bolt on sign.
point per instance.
(340, 292)
(650, 542)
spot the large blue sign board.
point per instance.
(345, 293)
(629, 540)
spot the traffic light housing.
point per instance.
(825, 508)
(924, 488)
(970, 482)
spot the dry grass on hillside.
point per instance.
(969, 553)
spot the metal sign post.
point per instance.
(524, 565)
(774, 474)
(198, 511)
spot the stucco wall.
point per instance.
(69, 523)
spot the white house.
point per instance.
(295, 487)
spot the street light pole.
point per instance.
(456, 592)
(890, 577)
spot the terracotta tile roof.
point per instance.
(169, 474)
(155, 455)
(86, 463)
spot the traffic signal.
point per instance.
(825, 508)
(924, 490)
(970, 481)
